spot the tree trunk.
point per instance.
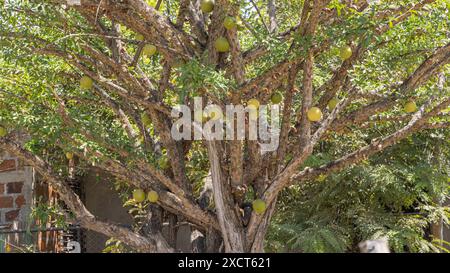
(230, 223)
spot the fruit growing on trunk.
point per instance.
(410, 107)
(259, 206)
(86, 83)
(152, 196)
(207, 6)
(149, 50)
(276, 98)
(69, 155)
(3, 131)
(314, 114)
(139, 195)
(345, 52)
(222, 45)
(332, 104)
(229, 23)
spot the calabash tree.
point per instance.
(98, 80)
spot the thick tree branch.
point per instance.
(154, 243)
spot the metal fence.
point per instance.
(40, 240)
(72, 239)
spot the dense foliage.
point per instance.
(46, 47)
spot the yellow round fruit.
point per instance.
(86, 82)
(152, 196)
(229, 23)
(276, 98)
(207, 6)
(3, 131)
(314, 114)
(253, 102)
(146, 119)
(259, 206)
(345, 52)
(139, 195)
(149, 50)
(410, 107)
(69, 155)
(140, 37)
(332, 104)
(222, 44)
(253, 113)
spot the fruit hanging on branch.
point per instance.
(140, 37)
(276, 98)
(3, 131)
(207, 6)
(314, 114)
(139, 195)
(345, 52)
(410, 107)
(222, 45)
(69, 155)
(259, 206)
(230, 23)
(86, 83)
(149, 50)
(253, 103)
(152, 196)
(332, 104)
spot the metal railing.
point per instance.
(41, 240)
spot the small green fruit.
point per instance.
(345, 52)
(140, 37)
(207, 6)
(259, 206)
(222, 45)
(276, 98)
(139, 195)
(152, 196)
(86, 83)
(410, 107)
(69, 155)
(332, 104)
(229, 23)
(149, 50)
(3, 131)
(314, 114)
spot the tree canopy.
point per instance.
(364, 114)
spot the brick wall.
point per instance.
(16, 183)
